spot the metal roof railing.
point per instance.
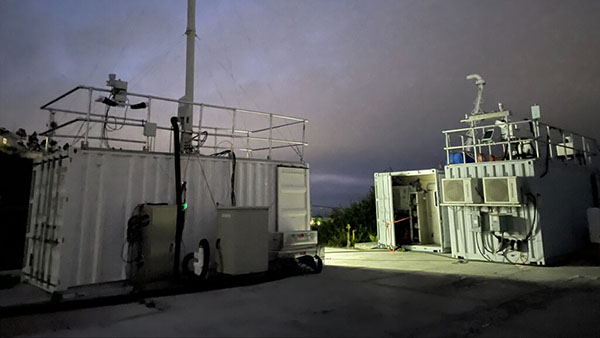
(100, 127)
(527, 139)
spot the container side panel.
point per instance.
(45, 221)
(209, 186)
(114, 198)
(98, 191)
(88, 223)
(469, 226)
(565, 194)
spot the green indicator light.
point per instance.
(184, 206)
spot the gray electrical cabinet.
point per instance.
(157, 245)
(243, 239)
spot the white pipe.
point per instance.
(479, 82)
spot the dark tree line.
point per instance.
(360, 216)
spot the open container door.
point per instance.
(408, 211)
(384, 210)
(293, 199)
(294, 238)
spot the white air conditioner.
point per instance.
(501, 190)
(461, 190)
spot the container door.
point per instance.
(442, 214)
(41, 266)
(293, 199)
(385, 209)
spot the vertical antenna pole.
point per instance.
(186, 113)
(189, 59)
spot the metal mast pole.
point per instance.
(186, 112)
(189, 60)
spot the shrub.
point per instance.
(361, 217)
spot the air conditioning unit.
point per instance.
(461, 190)
(501, 190)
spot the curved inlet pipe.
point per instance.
(178, 192)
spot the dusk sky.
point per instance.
(378, 80)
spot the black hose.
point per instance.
(233, 199)
(547, 156)
(218, 247)
(533, 199)
(595, 195)
(178, 192)
(233, 165)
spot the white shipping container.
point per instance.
(554, 216)
(81, 201)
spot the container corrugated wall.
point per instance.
(556, 219)
(81, 205)
(470, 244)
(523, 168)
